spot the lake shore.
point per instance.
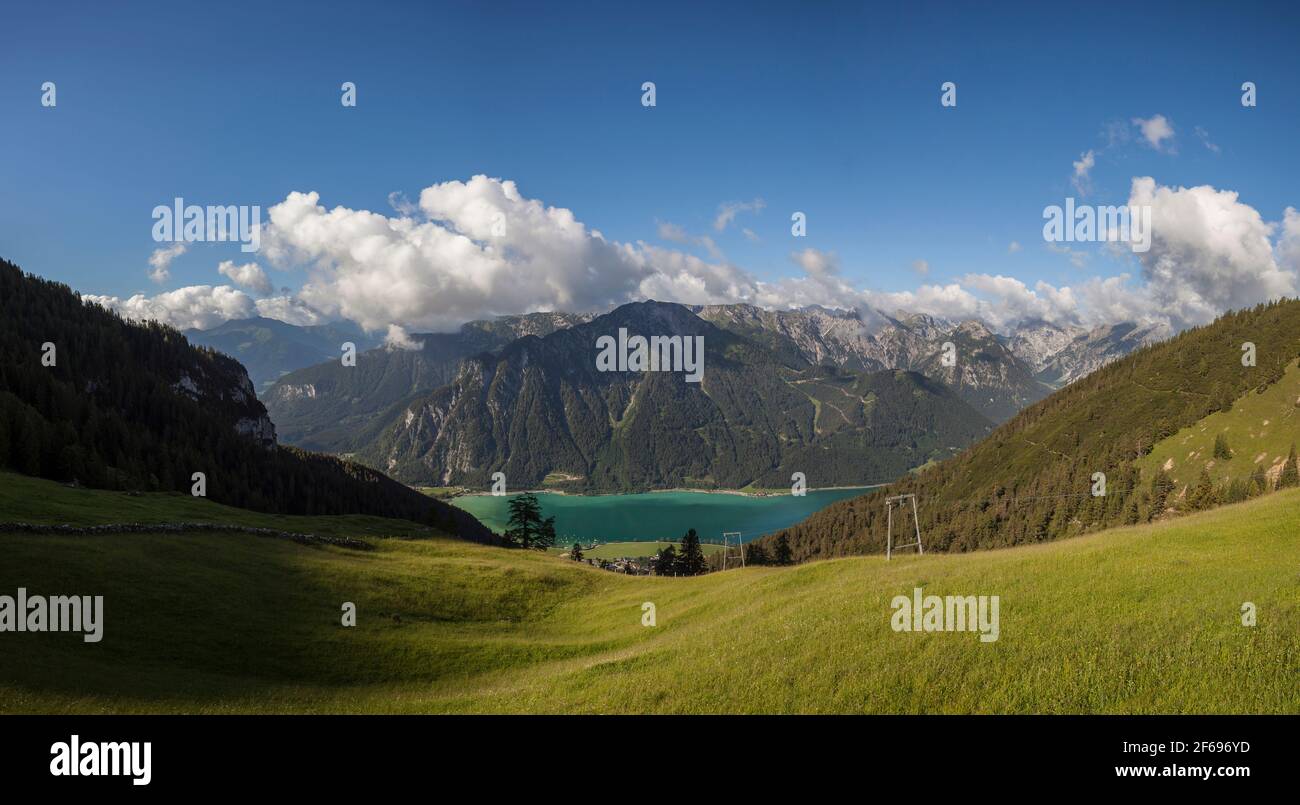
(661, 514)
(761, 493)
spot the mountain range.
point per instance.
(542, 409)
(1078, 460)
(341, 409)
(452, 408)
(269, 348)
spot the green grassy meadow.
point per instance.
(1260, 429)
(1133, 620)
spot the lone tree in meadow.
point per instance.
(1221, 449)
(575, 553)
(1290, 472)
(527, 528)
(691, 560)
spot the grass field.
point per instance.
(1259, 429)
(1135, 620)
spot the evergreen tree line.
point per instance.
(1031, 480)
(134, 406)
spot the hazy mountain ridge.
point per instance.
(269, 348)
(541, 407)
(336, 408)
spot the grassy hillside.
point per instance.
(1031, 480)
(1140, 620)
(33, 500)
(1259, 430)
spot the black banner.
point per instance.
(332, 754)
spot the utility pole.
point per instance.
(727, 546)
(898, 500)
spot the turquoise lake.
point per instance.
(660, 515)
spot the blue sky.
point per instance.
(831, 109)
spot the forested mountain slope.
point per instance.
(1031, 480)
(121, 405)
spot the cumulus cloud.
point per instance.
(1289, 243)
(1209, 253)
(397, 338)
(197, 306)
(161, 260)
(1156, 130)
(249, 276)
(290, 310)
(480, 248)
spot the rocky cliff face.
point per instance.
(221, 384)
(334, 407)
(1090, 350)
(543, 406)
(987, 374)
(998, 374)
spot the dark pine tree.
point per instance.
(783, 554)
(691, 560)
(527, 528)
(1221, 449)
(666, 564)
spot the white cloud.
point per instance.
(479, 249)
(397, 338)
(161, 259)
(1013, 247)
(290, 310)
(249, 276)
(921, 267)
(1156, 130)
(1209, 252)
(195, 306)
(1081, 179)
(1288, 246)
(727, 212)
(453, 262)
